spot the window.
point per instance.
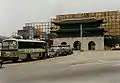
(23, 45)
(9, 44)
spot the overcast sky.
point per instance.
(15, 13)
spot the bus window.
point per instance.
(38, 45)
(23, 45)
(0, 48)
(9, 45)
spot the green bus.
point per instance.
(15, 49)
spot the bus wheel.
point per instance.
(1, 64)
(45, 55)
(42, 56)
(39, 57)
(28, 58)
(15, 60)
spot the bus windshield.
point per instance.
(9, 44)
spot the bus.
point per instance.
(15, 49)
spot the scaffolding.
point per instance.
(42, 28)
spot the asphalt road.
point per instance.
(60, 71)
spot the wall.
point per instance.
(99, 41)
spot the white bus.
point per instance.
(14, 49)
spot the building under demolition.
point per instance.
(84, 34)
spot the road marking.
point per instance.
(97, 62)
(108, 61)
(86, 63)
(101, 60)
(115, 65)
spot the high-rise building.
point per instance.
(111, 20)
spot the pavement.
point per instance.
(85, 67)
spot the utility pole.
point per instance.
(81, 33)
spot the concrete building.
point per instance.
(84, 34)
(111, 20)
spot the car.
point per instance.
(51, 53)
(67, 49)
(60, 52)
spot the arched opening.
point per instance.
(91, 45)
(63, 43)
(77, 45)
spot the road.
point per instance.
(58, 70)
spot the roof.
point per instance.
(23, 40)
(78, 21)
(78, 30)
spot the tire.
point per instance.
(40, 56)
(72, 52)
(57, 55)
(28, 58)
(1, 64)
(46, 56)
(15, 60)
(66, 54)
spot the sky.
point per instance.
(15, 13)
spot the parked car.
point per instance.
(51, 53)
(60, 52)
(67, 49)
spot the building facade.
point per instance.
(111, 20)
(85, 43)
(84, 34)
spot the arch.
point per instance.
(77, 45)
(91, 45)
(63, 43)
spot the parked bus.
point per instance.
(14, 49)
